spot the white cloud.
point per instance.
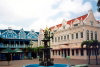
(97, 15)
(14, 10)
(4, 26)
(74, 6)
(42, 23)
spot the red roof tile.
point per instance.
(70, 21)
(79, 18)
(59, 25)
(52, 27)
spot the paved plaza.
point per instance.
(20, 63)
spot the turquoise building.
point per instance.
(17, 39)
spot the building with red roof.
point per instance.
(69, 35)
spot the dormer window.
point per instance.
(75, 25)
(91, 22)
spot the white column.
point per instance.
(74, 52)
(51, 52)
(57, 52)
(54, 52)
(85, 53)
(84, 35)
(63, 53)
(79, 52)
(93, 35)
(89, 35)
(70, 52)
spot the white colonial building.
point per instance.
(69, 35)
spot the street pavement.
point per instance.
(20, 63)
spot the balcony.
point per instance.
(13, 46)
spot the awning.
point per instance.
(7, 50)
(17, 50)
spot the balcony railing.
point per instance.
(13, 46)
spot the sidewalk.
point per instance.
(20, 63)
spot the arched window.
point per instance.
(76, 35)
(72, 36)
(91, 35)
(87, 33)
(65, 37)
(91, 22)
(81, 34)
(95, 35)
(58, 39)
(68, 37)
(61, 37)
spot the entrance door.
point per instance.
(64, 52)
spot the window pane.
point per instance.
(87, 32)
(64, 37)
(68, 37)
(91, 35)
(72, 36)
(73, 52)
(95, 35)
(81, 34)
(76, 35)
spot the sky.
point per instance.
(39, 14)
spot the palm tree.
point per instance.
(95, 45)
(87, 44)
(98, 4)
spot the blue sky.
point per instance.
(37, 14)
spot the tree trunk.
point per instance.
(89, 56)
(88, 51)
(8, 63)
(96, 51)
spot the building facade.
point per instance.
(17, 39)
(69, 35)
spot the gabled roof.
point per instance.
(70, 21)
(79, 18)
(52, 27)
(82, 17)
(17, 31)
(2, 31)
(26, 32)
(37, 33)
(59, 25)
